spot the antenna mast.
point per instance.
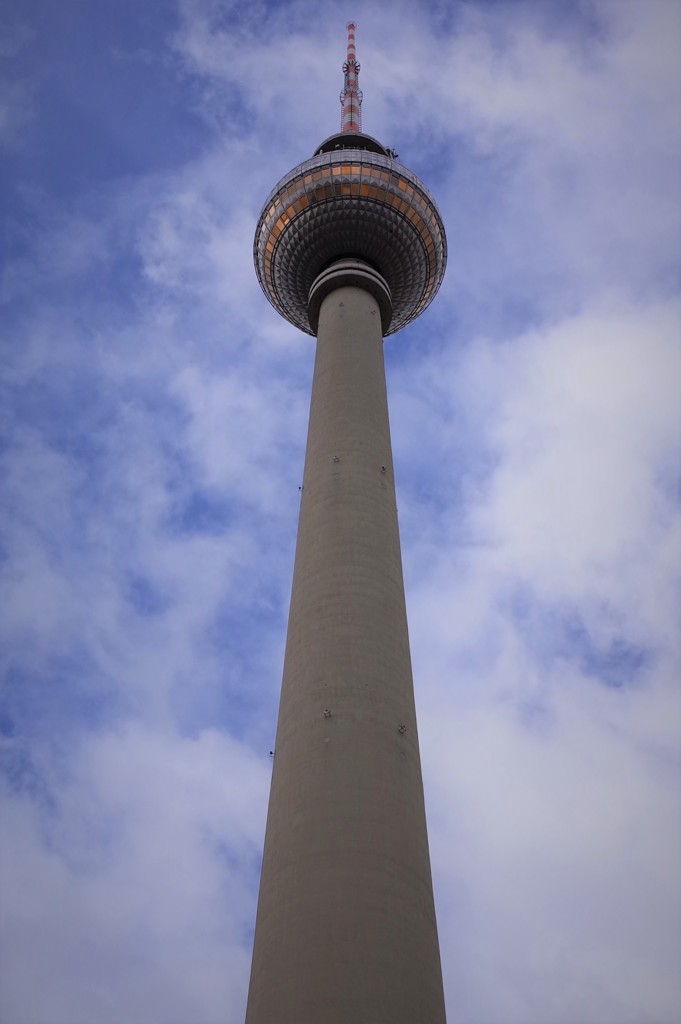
(351, 96)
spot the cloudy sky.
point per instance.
(154, 420)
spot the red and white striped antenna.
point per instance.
(351, 96)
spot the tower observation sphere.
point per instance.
(352, 199)
(349, 247)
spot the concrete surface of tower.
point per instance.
(349, 246)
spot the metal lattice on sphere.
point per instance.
(352, 199)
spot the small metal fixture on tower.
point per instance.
(349, 246)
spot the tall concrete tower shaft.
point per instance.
(349, 246)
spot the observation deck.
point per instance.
(351, 200)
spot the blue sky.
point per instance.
(154, 419)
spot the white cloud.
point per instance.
(127, 898)
(547, 653)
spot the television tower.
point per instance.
(349, 246)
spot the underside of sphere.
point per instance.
(350, 203)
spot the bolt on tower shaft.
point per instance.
(349, 246)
